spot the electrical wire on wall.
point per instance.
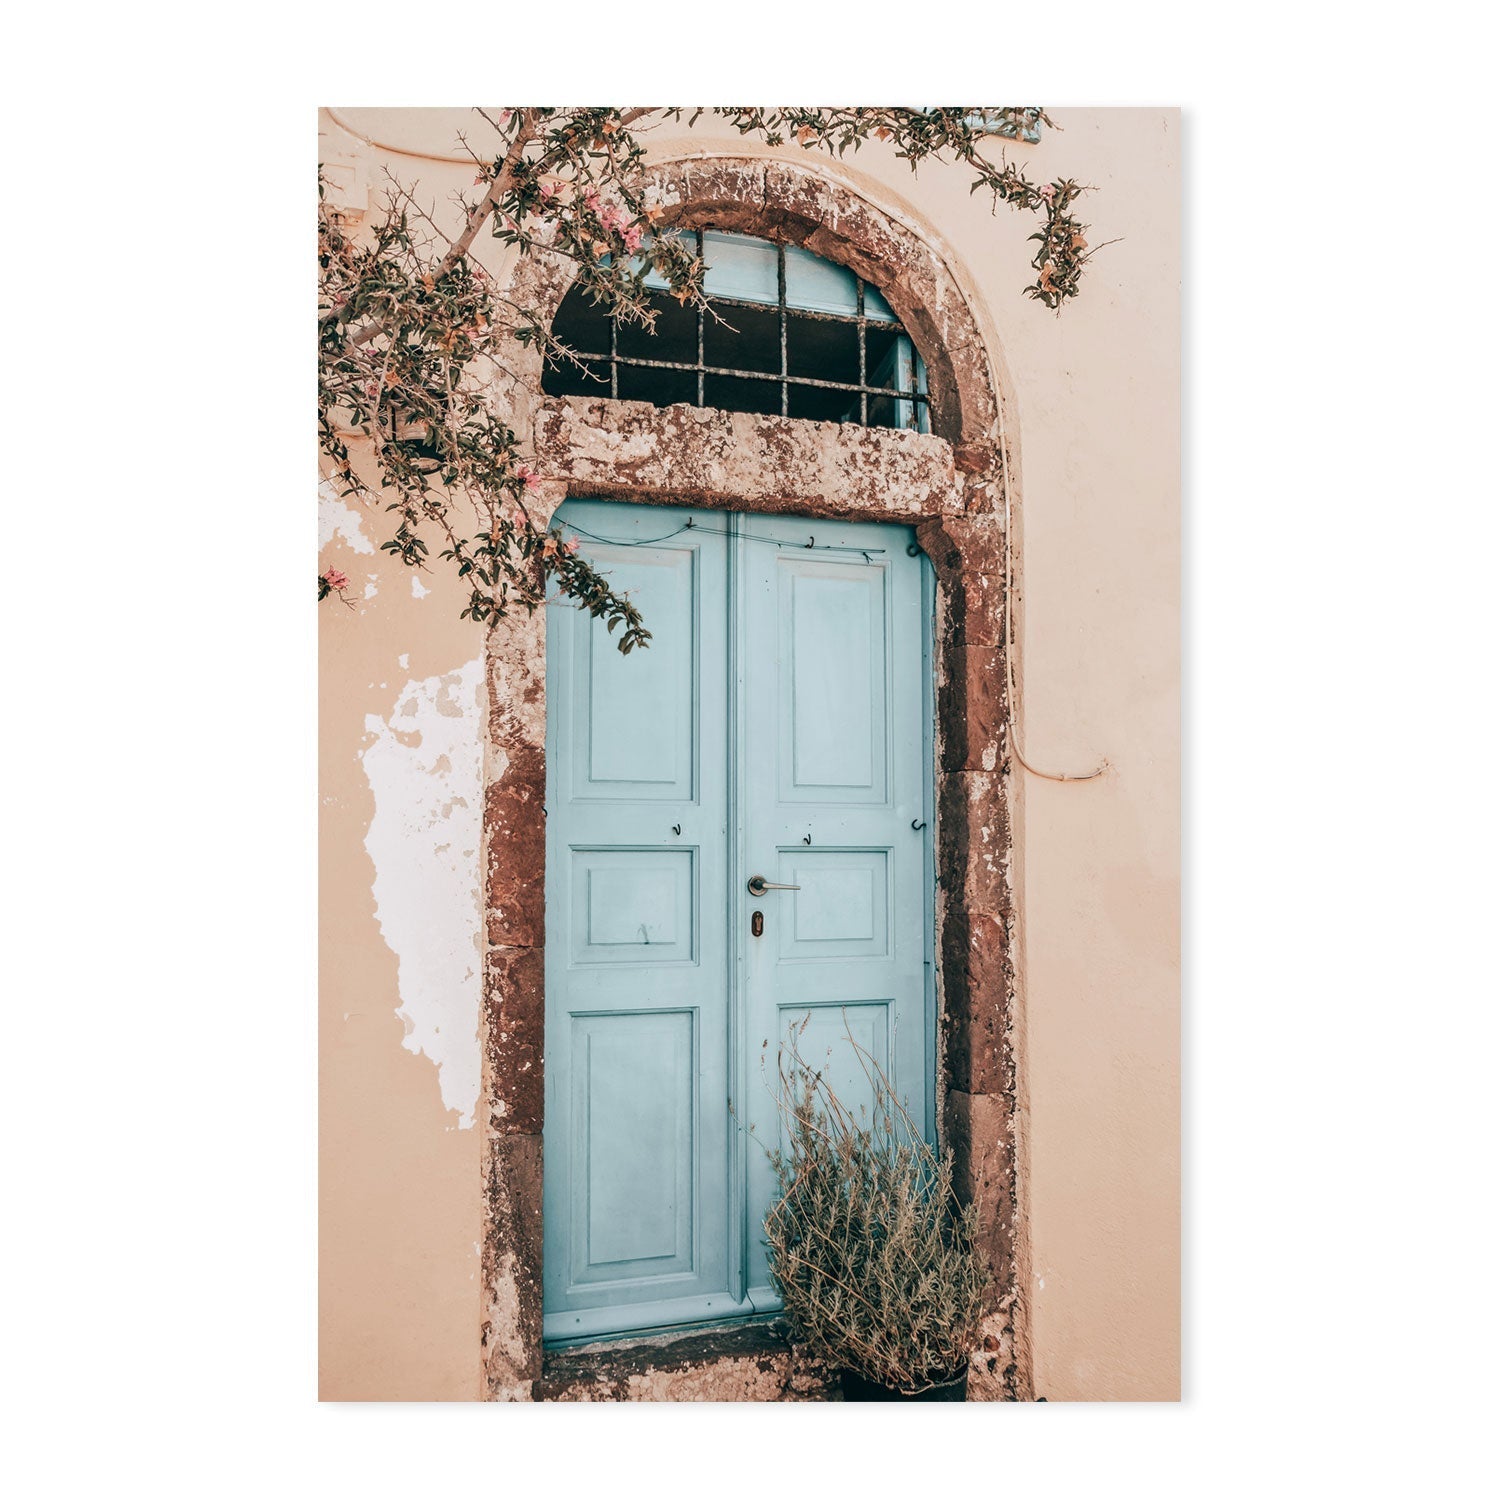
(1012, 735)
(810, 545)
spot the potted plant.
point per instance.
(871, 1251)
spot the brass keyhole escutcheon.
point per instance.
(757, 923)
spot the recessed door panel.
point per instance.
(824, 1033)
(831, 689)
(633, 906)
(626, 753)
(633, 1121)
(841, 907)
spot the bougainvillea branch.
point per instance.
(412, 332)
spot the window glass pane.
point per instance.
(581, 325)
(895, 370)
(746, 339)
(813, 404)
(566, 379)
(818, 284)
(676, 336)
(880, 355)
(876, 306)
(904, 370)
(821, 350)
(659, 387)
(919, 417)
(739, 267)
(729, 394)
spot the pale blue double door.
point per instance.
(777, 726)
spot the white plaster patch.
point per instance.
(337, 519)
(424, 767)
(370, 588)
(417, 591)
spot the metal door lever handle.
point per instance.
(758, 885)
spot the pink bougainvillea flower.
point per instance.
(518, 519)
(1049, 192)
(528, 476)
(549, 546)
(591, 201)
(572, 545)
(335, 579)
(632, 237)
(548, 189)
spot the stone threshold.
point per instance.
(737, 1362)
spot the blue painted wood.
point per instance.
(833, 751)
(637, 1139)
(779, 721)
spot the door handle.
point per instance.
(758, 885)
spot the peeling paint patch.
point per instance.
(337, 519)
(417, 591)
(424, 767)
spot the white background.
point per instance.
(1341, 811)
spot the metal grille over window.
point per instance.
(784, 333)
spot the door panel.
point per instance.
(825, 1041)
(633, 1080)
(831, 628)
(627, 753)
(637, 1142)
(775, 726)
(633, 906)
(834, 777)
(841, 908)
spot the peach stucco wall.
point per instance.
(1094, 396)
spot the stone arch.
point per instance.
(788, 201)
(952, 486)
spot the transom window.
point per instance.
(785, 332)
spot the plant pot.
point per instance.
(857, 1388)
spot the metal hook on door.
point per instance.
(917, 827)
(677, 829)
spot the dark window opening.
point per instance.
(784, 332)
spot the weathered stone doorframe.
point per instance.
(952, 487)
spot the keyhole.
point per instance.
(757, 923)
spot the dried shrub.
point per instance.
(870, 1248)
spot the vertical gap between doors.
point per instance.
(737, 1070)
